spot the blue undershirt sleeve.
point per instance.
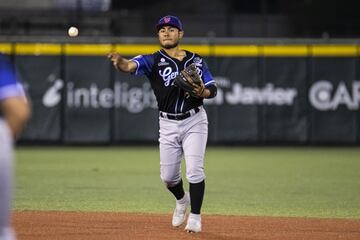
(144, 64)
(207, 76)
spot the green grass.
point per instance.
(312, 182)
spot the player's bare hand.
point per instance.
(122, 64)
(115, 58)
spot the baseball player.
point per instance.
(182, 119)
(14, 112)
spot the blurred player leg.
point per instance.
(6, 180)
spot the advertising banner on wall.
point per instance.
(136, 114)
(89, 99)
(41, 77)
(261, 99)
(233, 114)
(284, 110)
(334, 97)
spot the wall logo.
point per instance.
(324, 96)
(245, 95)
(53, 95)
(134, 99)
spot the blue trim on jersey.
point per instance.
(144, 64)
(13, 90)
(177, 70)
(207, 77)
(189, 60)
(177, 102)
(7, 74)
(9, 87)
(137, 66)
(182, 105)
(210, 83)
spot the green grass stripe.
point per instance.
(254, 181)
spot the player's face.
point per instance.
(169, 37)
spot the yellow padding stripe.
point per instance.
(5, 48)
(136, 49)
(203, 50)
(235, 50)
(37, 49)
(321, 50)
(285, 50)
(88, 49)
(334, 50)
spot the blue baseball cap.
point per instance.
(169, 21)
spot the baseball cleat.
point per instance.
(180, 210)
(194, 223)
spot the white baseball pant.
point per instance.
(6, 179)
(183, 138)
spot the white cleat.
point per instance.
(194, 223)
(180, 210)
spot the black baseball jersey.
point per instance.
(161, 70)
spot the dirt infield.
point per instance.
(31, 225)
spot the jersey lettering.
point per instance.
(168, 75)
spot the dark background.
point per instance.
(134, 119)
(231, 18)
(252, 22)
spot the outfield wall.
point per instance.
(297, 93)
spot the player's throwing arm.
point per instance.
(121, 63)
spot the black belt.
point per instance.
(179, 116)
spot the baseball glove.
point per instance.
(190, 81)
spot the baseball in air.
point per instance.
(73, 31)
